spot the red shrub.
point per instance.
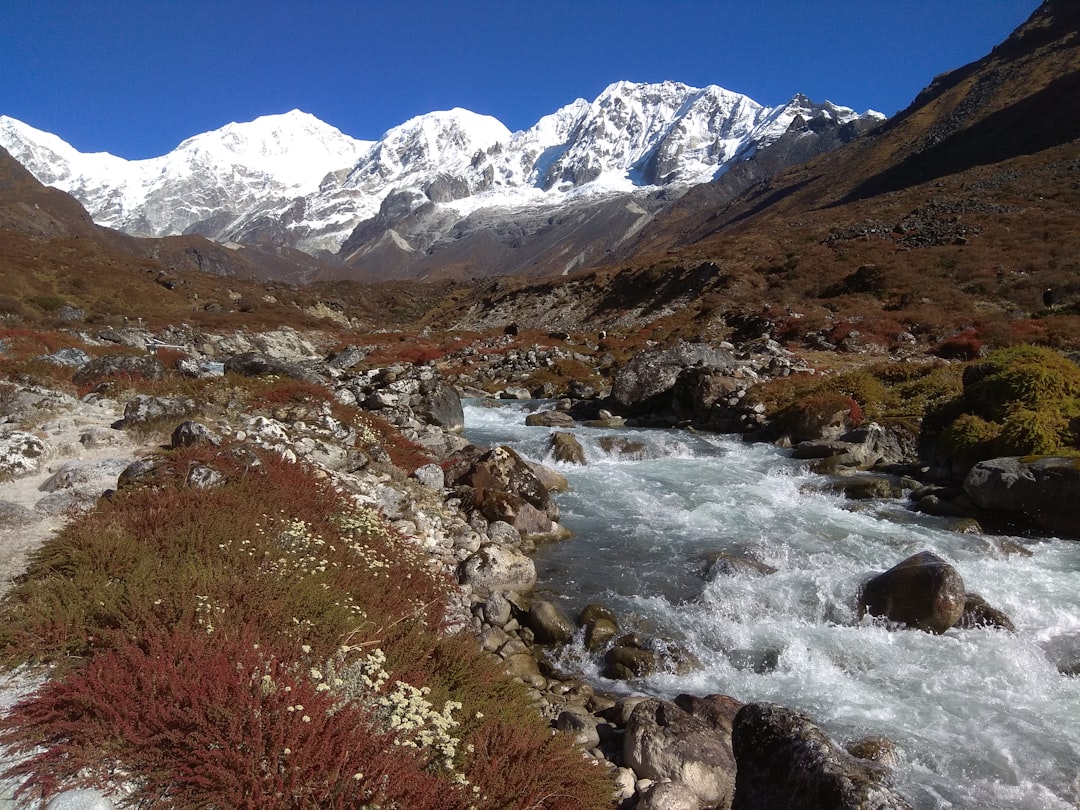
(505, 760)
(965, 346)
(210, 722)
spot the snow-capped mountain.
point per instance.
(225, 172)
(293, 180)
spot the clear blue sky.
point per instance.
(135, 78)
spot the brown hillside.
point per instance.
(953, 218)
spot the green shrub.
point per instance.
(1022, 400)
(1026, 432)
(1029, 376)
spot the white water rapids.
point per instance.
(982, 718)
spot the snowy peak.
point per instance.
(292, 179)
(295, 149)
(438, 143)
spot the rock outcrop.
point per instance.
(1039, 491)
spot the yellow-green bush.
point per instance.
(1018, 401)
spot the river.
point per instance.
(983, 718)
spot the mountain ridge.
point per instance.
(236, 184)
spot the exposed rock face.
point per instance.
(644, 382)
(784, 760)
(1039, 490)
(664, 742)
(923, 591)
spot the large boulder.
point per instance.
(21, 454)
(861, 448)
(257, 364)
(441, 406)
(134, 366)
(923, 591)
(143, 409)
(1039, 490)
(664, 742)
(503, 470)
(784, 760)
(645, 382)
(496, 568)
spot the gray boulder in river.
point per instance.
(1038, 490)
(646, 381)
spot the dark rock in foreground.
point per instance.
(785, 761)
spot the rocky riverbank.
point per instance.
(477, 513)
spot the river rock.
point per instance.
(732, 564)
(863, 447)
(876, 749)
(664, 742)
(980, 613)
(548, 623)
(515, 392)
(599, 633)
(567, 449)
(503, 470)
(784, 760)
(496, 568)
(532, 525)
(554, 480)
(1039, 490)
(922, 591)
(442, 407)
(550, 419)
(621, 446)
(645, 383)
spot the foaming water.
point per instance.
(983, 718)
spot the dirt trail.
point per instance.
(83, 438)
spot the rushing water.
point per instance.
(983, 718)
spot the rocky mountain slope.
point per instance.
(402, 205)
(955, 217)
